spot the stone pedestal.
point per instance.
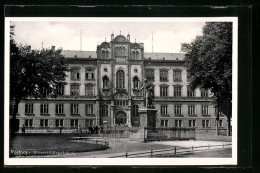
(147, 118)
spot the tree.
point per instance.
(208, 60)
(33, 73)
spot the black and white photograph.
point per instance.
(121, 91)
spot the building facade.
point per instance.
(103, 88)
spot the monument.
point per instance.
(148, 113)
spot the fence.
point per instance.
(173, 152)
(119, 132)
(176, 133)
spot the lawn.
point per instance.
(48, 145)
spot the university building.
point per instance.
(103, 89)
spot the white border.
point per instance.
(123, 161)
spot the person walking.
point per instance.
(23, 129)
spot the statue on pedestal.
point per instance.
(149, 93)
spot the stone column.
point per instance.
(147, 117)
(112, 115)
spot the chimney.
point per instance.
(53, 48)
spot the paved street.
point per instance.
(121, 146)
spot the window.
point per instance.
(44, 123)
(103, 54)
(204, 110)
(74, 109)
(133, 55)
(107, 54)
(120, 79)
(177, 109)
(137, 55)
(60, 90)
(89, 123)
(121, 103)
(164, 123)
(44, 108)
(164, 109)
(192, 123)
(90, 74)
(204, 93)
(220, 123)
(28, 123)
(59, 122)
(177, 91)
(89, 109)
(59, 109)
(177, 75)
(191, 110)
(205, 123)
(105, 82)
(178, 123)
(136, 82)
(190, 92)
(149, 74)
(135, 110)
(75, 74)
(29, 108)
(163, 75)
(104, 110)
(74, 123)
(163, 91)
(89, 90)
(74, 89)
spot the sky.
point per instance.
(167, 36)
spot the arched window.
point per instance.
(136, 82)
(133, 55)
(107, 54)
(104, 110)
(120, 79)
(105, 82)
(135, 110)
(137, 55)
(103, 54)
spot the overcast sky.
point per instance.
(167, 36)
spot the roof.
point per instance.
(147, 55)
(166, 56)
(120, 38)
(79, 54)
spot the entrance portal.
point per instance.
(121, 118)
